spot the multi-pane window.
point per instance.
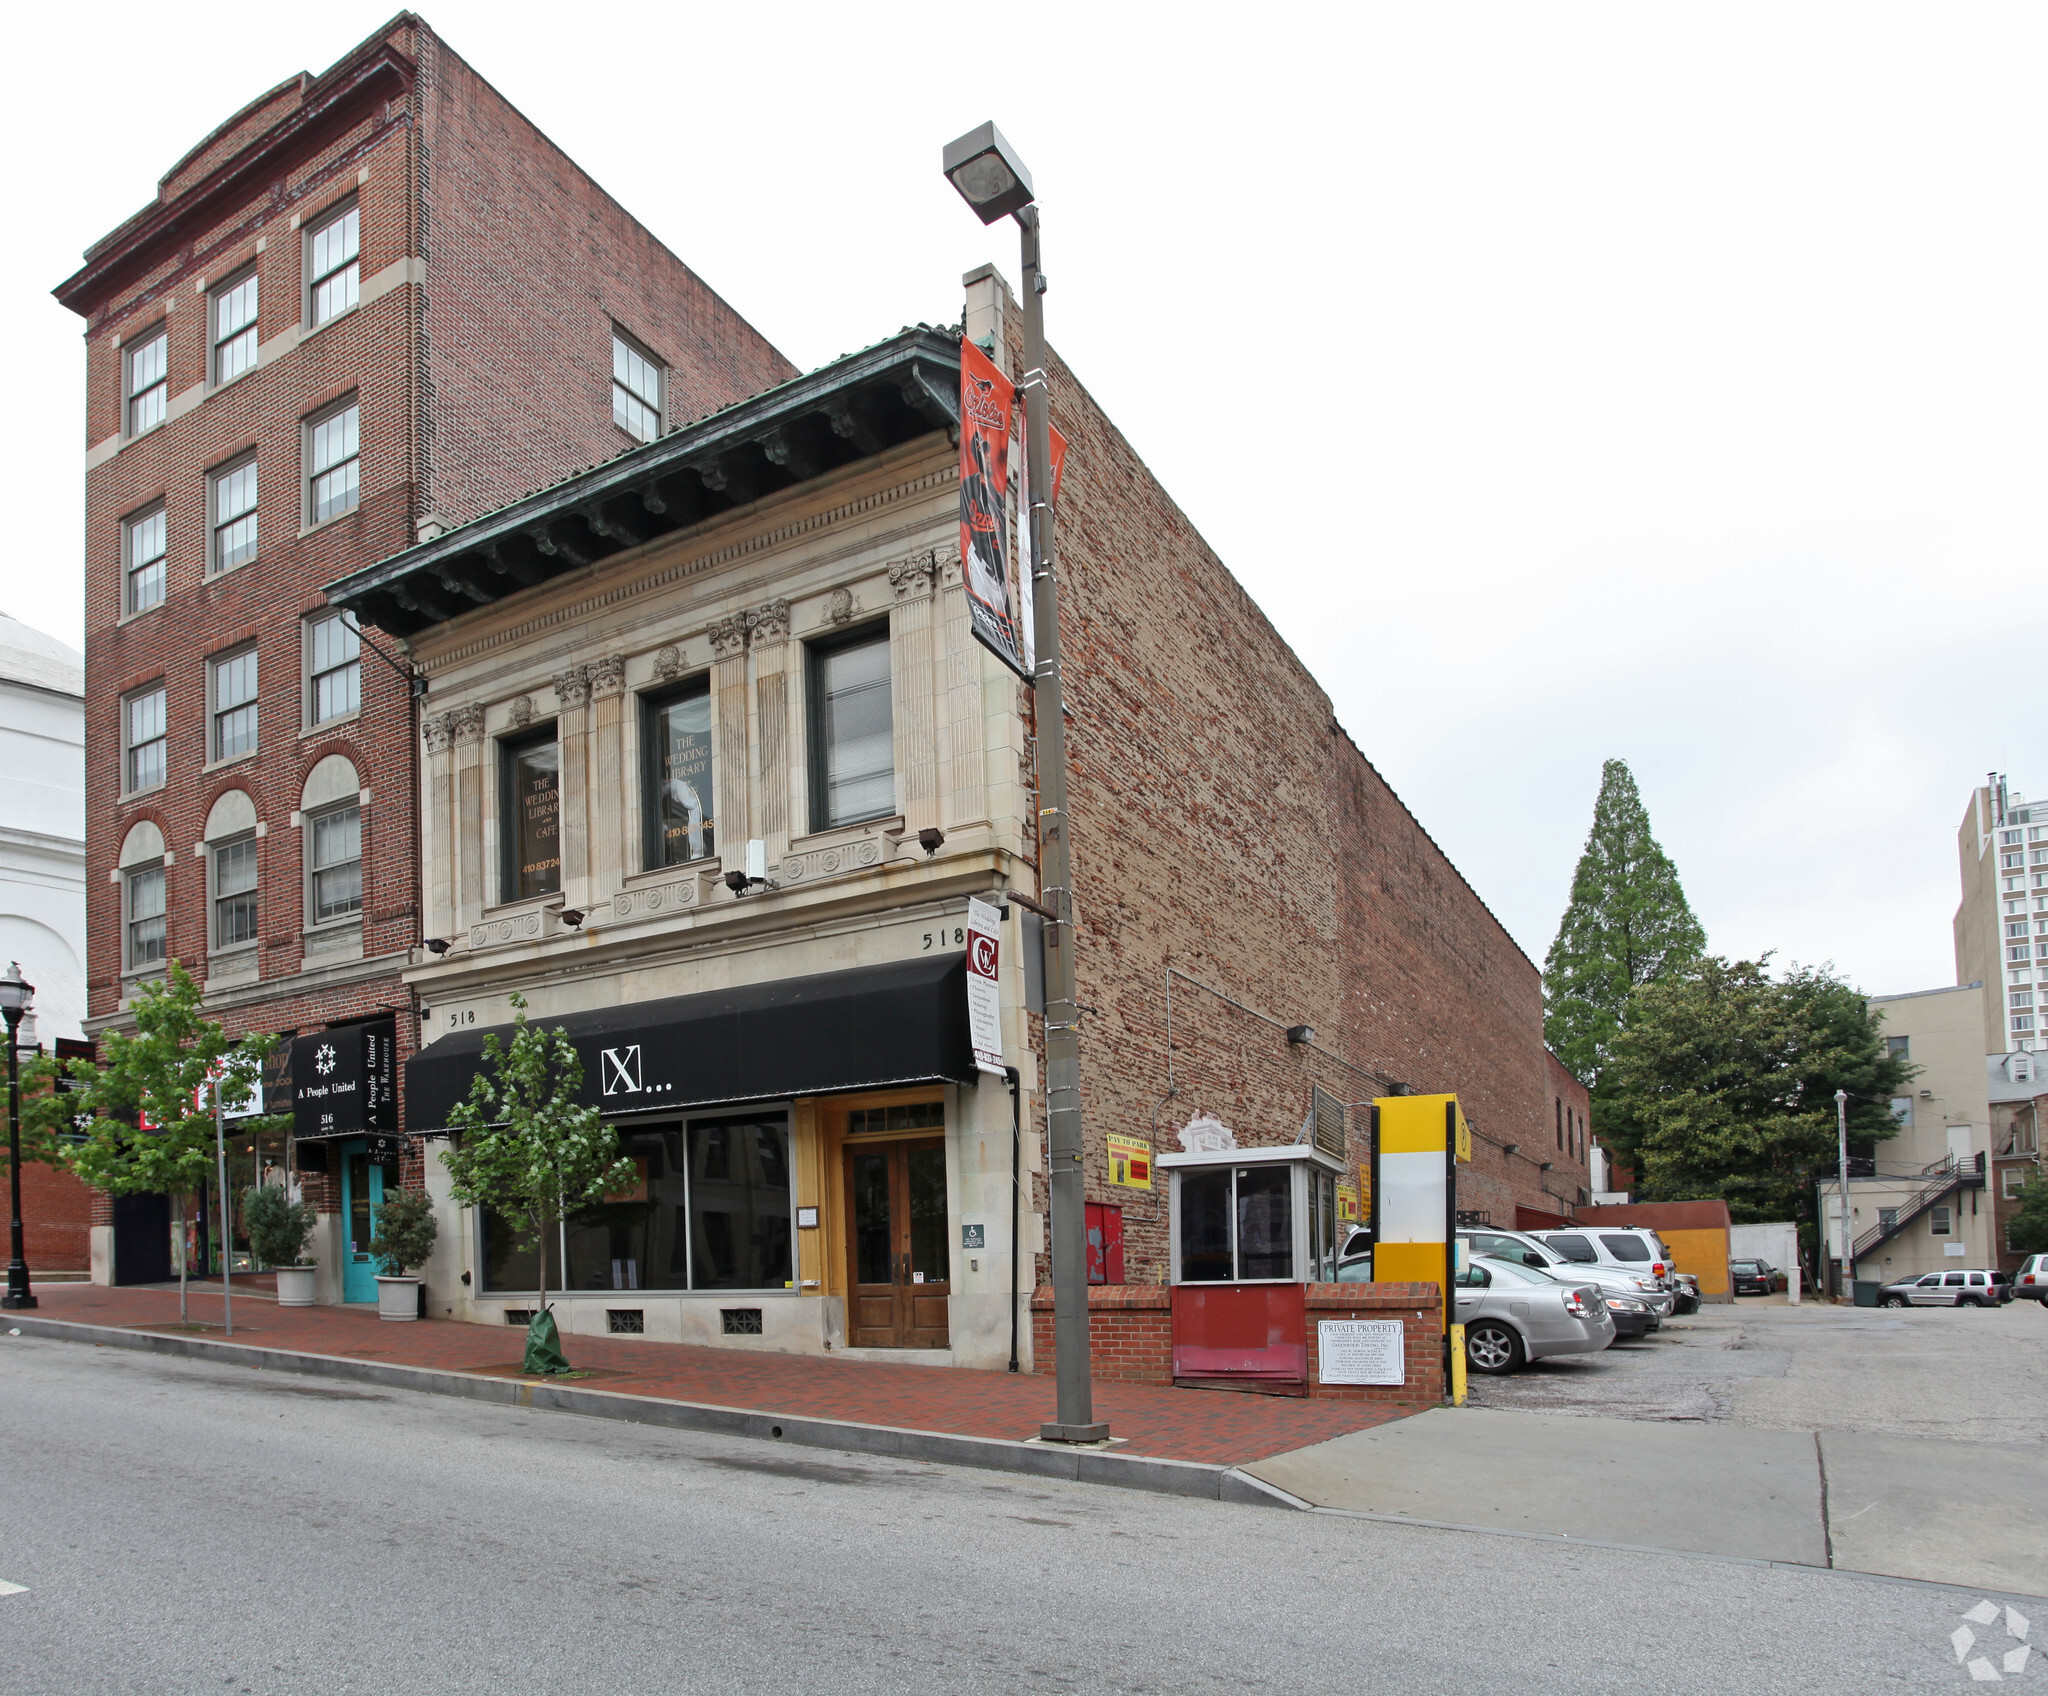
(336, 859)
(1899, 1047)
(234, 516)
(234, 705)
(334, 670)
(334, 265)
(234, 892)
(853, 746)
(144, 540)
(145, 894)
(679, 804)
(1938, 1222)
(636, 390)
(149, 382)
(234, 328)
(530, 784)
(2012, 862)
(142, 735)
(333, 462)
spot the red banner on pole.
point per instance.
(986, 400)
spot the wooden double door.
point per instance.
(901, 1273)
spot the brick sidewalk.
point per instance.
(1217, 1427)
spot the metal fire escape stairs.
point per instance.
(1944, 1179)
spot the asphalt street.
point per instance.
(181, 1526)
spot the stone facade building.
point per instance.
(372, 304)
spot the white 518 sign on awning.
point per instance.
(984, 1009)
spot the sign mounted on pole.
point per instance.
(1130, 1162)
(984, 1006)
(986, 571)
(1418, 1143)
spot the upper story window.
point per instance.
(143, 733)
(233, 685)
(143, 895)
(530, 816)
(334, 272)
(853, 752)
(333, 462)
(679, 791)
(334, 670)
(2008, 838)
(2012, 862)
(336, 863)
(636, 389)
(144, 541)
(234, 516)
(1899, 1047)
(234, 891)
(233, 310)
(148, 363)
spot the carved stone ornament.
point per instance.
(466, 724)
(912, 578)
(608, 676)
(522, 711)
(769, 624)
(668, 664)
(572, 687)
(840, 606)
(729, 637)
(435, 728)
(949, 568)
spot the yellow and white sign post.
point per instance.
(1418, 1142)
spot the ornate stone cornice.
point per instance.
(607, 676)
(465, 724)
(768, 624)
(912, 578)
(437, 731)
(729, 637)
(572, 687)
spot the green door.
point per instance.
(362, 1190)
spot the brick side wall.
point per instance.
(1130, 1336)
(56, 1219)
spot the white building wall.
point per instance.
(42, 825)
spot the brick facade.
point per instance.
(491, 273)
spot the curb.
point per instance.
(1198, 1479)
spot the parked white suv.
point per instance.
(1517, 1245)
(2030, 1282)
(1630, 1248)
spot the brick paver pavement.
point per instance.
(1198, 1425)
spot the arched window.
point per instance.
(331, 821)
(231, 862)
(145, 938)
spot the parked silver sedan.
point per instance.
(1514, 1314)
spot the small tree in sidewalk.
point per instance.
(139, 1120)
(531, 1154)
(406, 1229)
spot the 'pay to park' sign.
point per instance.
(984, 1008)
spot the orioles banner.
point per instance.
(986, 400)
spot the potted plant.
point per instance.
(278, 1229)
(405, 1237)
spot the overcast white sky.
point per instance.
(1566, 381)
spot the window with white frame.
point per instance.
(232, 312)
(147, 361)
(636, 389)
(2013, 1179)
(1938, 1221)
(143, 894)
(145, 540)
(335, 863)
(853, 749)
(232, 685)
(143, 733)
(2008, 838)
(234, 516)
(234, 891)
(334, 264)
(333, 462)
(334, 669)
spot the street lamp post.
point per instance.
(993, 181)
(16, 993)
(1848, 1273)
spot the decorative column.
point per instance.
(439, 830)
(572, 744)
(910, 689)
(768, 637)
(962, 798)
(729, 697)
(472, 894)
(608, 796)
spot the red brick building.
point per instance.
(372, 304)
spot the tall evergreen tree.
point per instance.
(1628, 923)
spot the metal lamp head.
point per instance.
(989, 176)
(16, 992)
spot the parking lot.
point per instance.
(1962, 1374)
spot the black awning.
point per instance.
(868, 1028)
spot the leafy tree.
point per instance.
(530, 1153)
(406, 1229)
(1722, 1084)
(2027, 1224)
(1628, 923)
(139, 1119)
(278, 1225)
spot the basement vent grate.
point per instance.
(625, 1321)
(741, 1321)
(518, 1316)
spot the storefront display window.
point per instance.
(533, 817)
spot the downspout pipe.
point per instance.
(1016, 1080)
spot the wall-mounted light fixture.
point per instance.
(1545, 1165)
(1510, 1148)
(572, 918)
(931, 839)
(1301, 1035)
(756, 875)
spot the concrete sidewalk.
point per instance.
(1949, 1513)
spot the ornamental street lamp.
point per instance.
(990, 177)
(16, 995)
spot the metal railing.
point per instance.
(1945, 1176)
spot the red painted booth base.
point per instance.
(1241, 1337)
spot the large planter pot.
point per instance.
(295, 1286)
(398, 1298)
